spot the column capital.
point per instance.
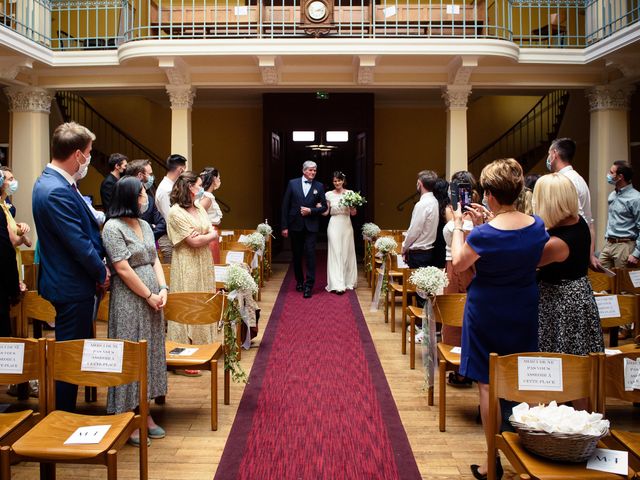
(456, 96)
(29, 99)
(609, 97)
(181, 96)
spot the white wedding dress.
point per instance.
(342, 269)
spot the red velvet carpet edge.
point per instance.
(317, 405)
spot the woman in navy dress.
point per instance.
(501, 313)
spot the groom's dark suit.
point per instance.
(303, 229)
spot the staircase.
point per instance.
(109, 138)
(528, 140)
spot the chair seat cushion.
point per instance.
(201, 357)
(46, 439)
(9, 421)
(542, 468)
(444, 352)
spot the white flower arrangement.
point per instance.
(264, 229)
(370, 231)
(430, 280)
(386, 245)
(352, 199)
(255, 241)
(238, 278)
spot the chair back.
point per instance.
(166, 269)
(194, 308)
(33, 365)
(612, 384)
(64, 363)
(237, 247)
(37, 308)
(30, 269)
(103, 308)
(220, 285)
(246, 255)
(625, 284)
(449, 308)
(628, 311)
(601, 282)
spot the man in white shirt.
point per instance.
(176, 166)
(417, 247)
(559, 160)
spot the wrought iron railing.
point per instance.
(105, 24)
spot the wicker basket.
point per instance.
(562, 447)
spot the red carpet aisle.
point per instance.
(317, 405)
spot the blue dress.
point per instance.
(501, 313)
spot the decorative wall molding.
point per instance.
(176, 70)
(460, 70)
(29, 99)
(607, 97)
(181, 96)
(269, 69)
(456, 96)
(366, 69)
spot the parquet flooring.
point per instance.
(191, 451)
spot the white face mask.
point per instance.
(84, 168)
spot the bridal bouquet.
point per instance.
(352, 199)
(370, 231)
(386, 245)
(255, 241)
(264, 229)
(429, 280)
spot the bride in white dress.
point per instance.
(342, 270)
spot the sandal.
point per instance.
(456, 380)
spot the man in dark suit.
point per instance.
(117, 165)
(72, 271)
(302, 206)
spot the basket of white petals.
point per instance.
(559, 432)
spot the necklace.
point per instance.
(504, 211)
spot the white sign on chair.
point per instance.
(11, 357)
(540, 373)
(102, 356)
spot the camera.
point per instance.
(460, 193)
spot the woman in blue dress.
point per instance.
(501, 313)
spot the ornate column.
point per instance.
(608, 142)
(455, 98)
(181, 97)
(29, 109)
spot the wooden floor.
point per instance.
(191, 451)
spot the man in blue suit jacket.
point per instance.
(302, 205)
(72, 270)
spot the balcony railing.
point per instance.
(105, 24)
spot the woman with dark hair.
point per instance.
(211, 181)
(138, 294)
(190, 232)
(342, 268)
(441, 192)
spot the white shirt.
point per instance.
(447, 232)
(584, 196)
(67, 177)
(163, 192)
(306, 186)
(214, 212)
(424, 224)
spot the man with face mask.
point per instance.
(72, 273)
(141, 169)
(559, 158)
(117, 165)
(417, 247)
(176, 166)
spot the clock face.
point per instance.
(317, 10)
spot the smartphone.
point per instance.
(176, 351)
(464, 195)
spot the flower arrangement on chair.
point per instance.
(370, 232)
(385, 246)
(256, 242)
(266, 231)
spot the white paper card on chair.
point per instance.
(401, 262)
(631, 374)
(187, 352)
(457, 350)
(453, 9)
(540, 373)
(11, 357)
(241, 10)
(634, 276)
(612, 461)
(243, 238)
(221, 273)
(389, 12)
(612, 351)
(226, 233)
(88, 435)
(608, 306)
(102, 356)
(235, 257)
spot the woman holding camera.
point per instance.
(501, 313)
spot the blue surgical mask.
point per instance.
(13, 187)
(549, 163)
(199, 194)
(610, 179)
(149, 183)
(144, 207)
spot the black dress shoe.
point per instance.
(307, 293)
(340, 292)
(299, 287)
(480, 476)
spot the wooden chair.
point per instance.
(449, 310)
(198, 308)
(29, 268)
(37, 310)
(399, 286)
(376, 261)
(241, 247)
(624, 440)
(267, 251)
(44, 443)
(220, 285)
(579, 380)
(629, 310)
(601, 282)
(612, 380)
(166, 268)
(246, 256)
(13, 425)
